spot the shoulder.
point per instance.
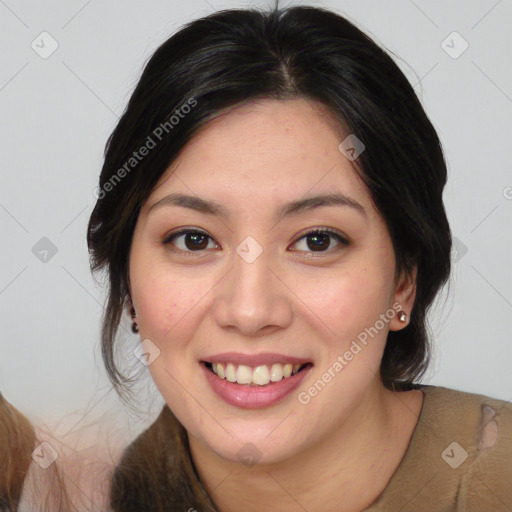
(145, 467)
(156, 471)
(480, 451)
(469, 414)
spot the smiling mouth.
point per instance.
(262, 375)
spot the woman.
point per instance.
(270, 214)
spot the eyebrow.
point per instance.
(292, 208)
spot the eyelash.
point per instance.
(317, 231)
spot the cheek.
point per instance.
(348, 302)
(162, 301)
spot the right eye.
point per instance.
(190, 240)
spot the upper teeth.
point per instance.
(260, 375)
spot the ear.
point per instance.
(128, 302)
(129, 307)
(404, 296)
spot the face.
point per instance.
(255, 283)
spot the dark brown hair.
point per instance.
(17, 441)
(219, 62)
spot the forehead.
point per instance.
(268, 148)
(291, 117)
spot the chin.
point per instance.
(253, 452)
(254, 442)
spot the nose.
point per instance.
(253, 298)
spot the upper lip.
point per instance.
(254, 359)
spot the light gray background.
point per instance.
(58, 112)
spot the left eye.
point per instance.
(317, 240)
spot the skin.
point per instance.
(339, 451)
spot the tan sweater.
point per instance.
(459, 458)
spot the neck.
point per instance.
(344, 472)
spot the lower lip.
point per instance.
(253, 397)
